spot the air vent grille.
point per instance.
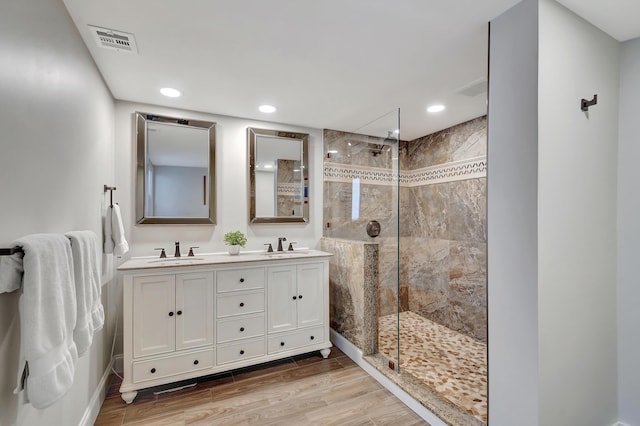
(114, 40)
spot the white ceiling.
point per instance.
(335, 64)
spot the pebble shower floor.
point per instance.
(452, 364)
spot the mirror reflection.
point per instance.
(175, 170)
(278, 168)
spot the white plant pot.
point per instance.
(234, 250)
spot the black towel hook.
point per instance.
(585, 104)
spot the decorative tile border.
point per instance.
(291, 189)
(447, 172)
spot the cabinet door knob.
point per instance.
(196, 362)
(241, 304)
(281, 343)
(179, 312)
(300, 297)
(241, 328)
(312, 337)
(170, 314)
(241, 280)
(242, 352)
(295, 297)
(153, 370)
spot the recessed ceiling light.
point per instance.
(170, 92)
(268, 109)
(436, 108)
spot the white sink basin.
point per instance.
(177, 260)
(286, 253)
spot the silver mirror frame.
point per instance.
(252, 134)
(141, 119)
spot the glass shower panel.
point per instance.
(362, 204)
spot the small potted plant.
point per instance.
(235, 240)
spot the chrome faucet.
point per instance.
(177, 253)
(280, 240)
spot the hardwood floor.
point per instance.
(304, 390)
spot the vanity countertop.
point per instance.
(221, 258)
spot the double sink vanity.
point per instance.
(192, 316)
(186, 317)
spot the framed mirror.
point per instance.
(278, 176)
(175, 170)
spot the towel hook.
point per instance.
(585, 104)
(110, 189)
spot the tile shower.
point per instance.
(414, 297)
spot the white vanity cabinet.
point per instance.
(191, 320)
(172, 312)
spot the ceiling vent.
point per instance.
(474, 88)
(114, 40)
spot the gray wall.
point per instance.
(512, 219)
(552, 219)
(629, 235)
(56, 122)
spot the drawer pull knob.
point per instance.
(196, 362)
(241, 280)
(170, 314)
(242, 352)
(241, 328)
(281, 343)
(300, 297)
(312, 337)
(153, 370)
(295, 297)
(179, 312)
(241, 304)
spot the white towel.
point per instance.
(86, 270)
(10, 272)
(47, 318)
(114, 238)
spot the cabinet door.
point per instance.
(153, 315)
(310, 280)
(194, 310)
(281, 298)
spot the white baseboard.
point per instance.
(350, 350)
(93, 409)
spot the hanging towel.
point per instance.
(114, 239)
(86, 271)
(10, 272)
(47, 318)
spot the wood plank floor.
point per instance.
(304, 390)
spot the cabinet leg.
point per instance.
(325, 352)
(128, 397)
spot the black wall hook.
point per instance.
(585, 104)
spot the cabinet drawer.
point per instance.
(171, 365)
(240, 279)
(232, 352)
(243, 327)
(240, 303)
(284, 342)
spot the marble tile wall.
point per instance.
(443, 232)
(441, 191)
(353, 280)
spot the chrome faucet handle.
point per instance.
(270, 248)
(162, 253)
(291, 243)
(191, 250)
